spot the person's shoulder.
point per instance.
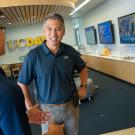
(67, 46)
(8, 85)
(34, 51)
(70, 48)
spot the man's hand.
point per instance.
(82, 92)
(37, 116)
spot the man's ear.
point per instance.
(64, 31)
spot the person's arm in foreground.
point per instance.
(83, 77)
(13, 118)
(25, 90)
(37, 116)
(34, 113)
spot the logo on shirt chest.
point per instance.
(66, 57)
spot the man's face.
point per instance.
(54, 32)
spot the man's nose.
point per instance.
(54, 31)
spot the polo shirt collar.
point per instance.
(61, 48)
(47, 51)
(45, 48)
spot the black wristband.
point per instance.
(83, 85)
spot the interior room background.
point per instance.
(109, 10)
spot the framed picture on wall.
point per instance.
(90, 33)
(106, 32)
(127, 29)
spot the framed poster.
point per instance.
(90, 34)
(127, 29)
(106, 32)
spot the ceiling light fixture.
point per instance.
(80, 6)
(2, 16)
(9, 23)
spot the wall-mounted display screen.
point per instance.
(90, 33)
(127, 29)
(106, 33)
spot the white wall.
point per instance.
(31, 31)
(110, 10)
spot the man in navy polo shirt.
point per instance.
(13, 118)
(52, 66)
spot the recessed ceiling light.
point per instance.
(2, 16)
(80, 6)
(9, 23)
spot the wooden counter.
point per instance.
(118, 68)
(128, 131)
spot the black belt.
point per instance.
(69, 100)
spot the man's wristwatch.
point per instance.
(83, 86)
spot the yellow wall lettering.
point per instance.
(42, 38)
(10, 44)
(30, 42)
(37, 41)
(21, 43)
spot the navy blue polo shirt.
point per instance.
(13, 118)
(53, 73)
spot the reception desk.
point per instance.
(114, 66)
